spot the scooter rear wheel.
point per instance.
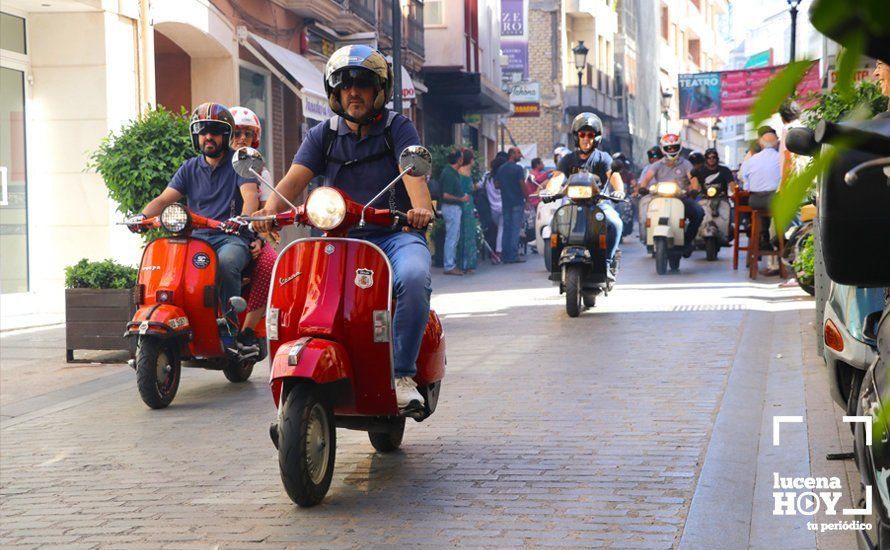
(307, 443)
(387, 442)
(238, 371)
(157, 373)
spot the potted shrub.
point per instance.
(98, 303)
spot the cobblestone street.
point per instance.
(644, 423)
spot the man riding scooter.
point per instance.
(212, 189)
(587, 131)
(676, 169)
(357, 151)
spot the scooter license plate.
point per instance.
(143, 327)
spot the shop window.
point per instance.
(434, 12)
(12, 33)
(254, 89)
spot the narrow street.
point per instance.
(644, 423)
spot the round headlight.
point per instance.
(712, 191)
(175, 218)
(580, 191)
(667, 188)
(326, 208)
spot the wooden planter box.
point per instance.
(96, 319)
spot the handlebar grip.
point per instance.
(863, 139)
(802, 141)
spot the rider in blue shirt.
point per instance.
(357, 151)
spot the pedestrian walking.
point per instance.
(510, 179)
(495, 235)
(468, 251)
(453, 198)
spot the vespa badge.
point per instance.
(364, 278)
(329, 249)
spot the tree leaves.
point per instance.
(787, 201)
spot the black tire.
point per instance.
(157, 373)
(711, 248)
(573, 290)
(238, 371)
(674, 261)
(548, 262)
(661, 255)
(589, 300)
(387, 442)
(307, 444)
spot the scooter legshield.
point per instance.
(316, 359)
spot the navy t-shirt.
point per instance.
(363, 180)
(212, 192)
(599, 163)
(510, 177)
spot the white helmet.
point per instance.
(245, 117)
(560, 152)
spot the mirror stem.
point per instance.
(361, 222)
(272, 187)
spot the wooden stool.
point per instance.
(740, 198)
(754, 252)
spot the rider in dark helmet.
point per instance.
(587, 132)
(712, 172)
(357, 151)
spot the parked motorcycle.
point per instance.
(796, 240)
(179, 315)
(578, 243)
(331, 335)
(665, 225)
(715, 231)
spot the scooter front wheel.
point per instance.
(157, 373)
(307, 443)
(573, 290)
(661, 256)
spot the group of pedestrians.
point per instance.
(500, 198)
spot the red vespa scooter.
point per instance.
(179, 312)
(329, 325)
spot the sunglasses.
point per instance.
(361, 80)
(711, 157)
(248, 134)
(211, 127)
(587, 135)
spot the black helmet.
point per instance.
(588, 120)
(712, 151)
(350, 62)
(655, 153)
(696, 158)
(213, 117)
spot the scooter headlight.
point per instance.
(580, 192)
(326, 208)
(712, 191)
(175, 218)
(668, 188)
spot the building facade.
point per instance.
(61, 97)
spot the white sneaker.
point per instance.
(407, 396)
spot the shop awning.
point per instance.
(409, 90)
(300, 70)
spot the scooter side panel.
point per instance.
(670, 208)
(431, 360)
(367, 288)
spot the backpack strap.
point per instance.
(333, 126)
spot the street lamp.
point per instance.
(715, 129)
(666, 96)
(580, 52)
(793, 5)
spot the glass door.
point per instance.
(13, 184)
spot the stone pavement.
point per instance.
(644, 423)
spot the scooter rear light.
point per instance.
(833, 338)
(164, 296)
(272, 323)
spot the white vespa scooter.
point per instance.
(665, 225)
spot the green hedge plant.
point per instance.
(104, 274)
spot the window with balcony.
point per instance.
(366, 9)
(665, 24)
(415, 26)
(695, 51)
(433, 12)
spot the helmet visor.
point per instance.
(672, 149)
(214, 127)
(362, 79)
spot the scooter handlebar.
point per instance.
(861, 138)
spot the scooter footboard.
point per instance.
(322, 361)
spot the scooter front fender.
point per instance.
(316, 359)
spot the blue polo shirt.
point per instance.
(211, 192)
(364, 180)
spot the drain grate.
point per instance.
(707, 307)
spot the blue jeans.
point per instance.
(615, 227)
(412, 284)
(695, 214)
(513, 216)
(451, 213)
(233, 255)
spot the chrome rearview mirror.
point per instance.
(237, 304)
(417, 160)
(247, 162)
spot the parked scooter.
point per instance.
(330, 334)
(665, 225)
(796, 238)
(715, 231)
(578, 243)
(179, 318)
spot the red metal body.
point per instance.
(184, 270)
(327, 291)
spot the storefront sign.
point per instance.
(513, 17)
(526, 92)
(316, 107)
(514, 41)
(522, 110)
